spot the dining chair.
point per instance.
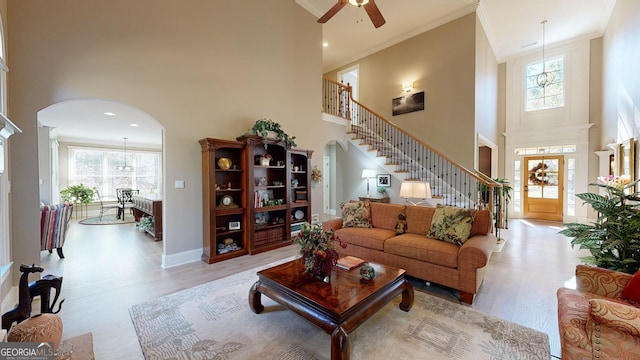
(104, 207)
(125, 200)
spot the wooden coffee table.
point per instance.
(338, 307)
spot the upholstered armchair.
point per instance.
(595, 320)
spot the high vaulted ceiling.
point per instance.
(512, 26)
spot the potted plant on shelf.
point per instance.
(145, 223)
(614, 239)
(77, 194)
(264, 127)
(383, 192)
(265, 159)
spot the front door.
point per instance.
(543, 188)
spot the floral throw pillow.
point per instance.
(356, 214)
(451, 224)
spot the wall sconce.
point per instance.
(407, 86)
(415, 190)
(368, 174)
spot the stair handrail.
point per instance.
(349, 100)
(334, 100)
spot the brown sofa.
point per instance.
(459, 267)
(595, 321)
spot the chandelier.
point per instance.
(125, 167)
(544, 78)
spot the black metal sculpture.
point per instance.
(42, 287)
(27, 291)
(23, 310)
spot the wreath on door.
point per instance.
(536, 174)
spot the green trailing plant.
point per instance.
(614, 239)
(262, 127)
(145, 223)
(77, 194)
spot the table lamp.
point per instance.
(368, 174)
(415, 190)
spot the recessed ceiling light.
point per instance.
(109, 113)
(325, 44)
(134, 125)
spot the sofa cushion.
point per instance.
(385, 216)
(451, 224)
(368, 238)
(418, 247)
(482, 222)
(631, 292)
(419, 219)
(356, 214)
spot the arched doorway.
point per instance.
(98, 127)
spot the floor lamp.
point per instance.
(368, 174)
(415, 190)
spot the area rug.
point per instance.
(108, 219)
(214, 321)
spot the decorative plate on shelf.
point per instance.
(299, 215)
(224, 163)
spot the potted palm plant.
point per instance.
(614, 239)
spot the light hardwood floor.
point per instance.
(110, 268)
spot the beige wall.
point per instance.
(621, 78)
(200, 68)
(441, 62)
(486, 93)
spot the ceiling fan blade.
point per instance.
(374, 14)
(334, 10)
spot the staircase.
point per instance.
(409, 158)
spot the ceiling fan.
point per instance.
(369, 5)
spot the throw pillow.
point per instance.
(451, 224)
(356, 214)
(631, 292)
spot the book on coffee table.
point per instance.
(349, 262)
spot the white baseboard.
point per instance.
(169, 261)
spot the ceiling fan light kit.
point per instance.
(358, 3)
(369, 6)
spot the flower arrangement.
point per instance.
(316, 174)
(614, 239)
(317, 247)
(618, 182)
